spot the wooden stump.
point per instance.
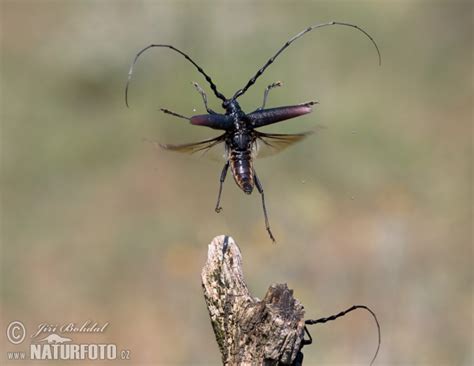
(249, 331)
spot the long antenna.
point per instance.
(208, 78)
(290, 41)
(342, 313)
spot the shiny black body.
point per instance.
(239, 144)
(241, 139)
(241, 136)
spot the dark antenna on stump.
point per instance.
(248, 330)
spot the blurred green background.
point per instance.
(374, 209)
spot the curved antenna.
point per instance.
(290, 41)
(208, 78)
(342, 313)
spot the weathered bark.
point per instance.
(249, 331)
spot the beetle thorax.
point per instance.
(241, 140)
(232, 108)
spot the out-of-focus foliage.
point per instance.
(373, 209)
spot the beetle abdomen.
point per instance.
(242, 170)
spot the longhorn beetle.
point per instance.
(241, 139)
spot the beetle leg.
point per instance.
(307, 341)
(167, 111)
(267, 90)
(260, 190)
(204, 97)
(222, 179)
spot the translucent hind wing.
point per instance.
(268, 144)
(212, 148)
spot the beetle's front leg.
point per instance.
(267, 90)
(265, 117)
(167, 111)
(204, 97)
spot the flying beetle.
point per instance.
(241, 139)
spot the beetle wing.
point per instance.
(267, 144)
(203, 147)
(265, 117)
(215, 121)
